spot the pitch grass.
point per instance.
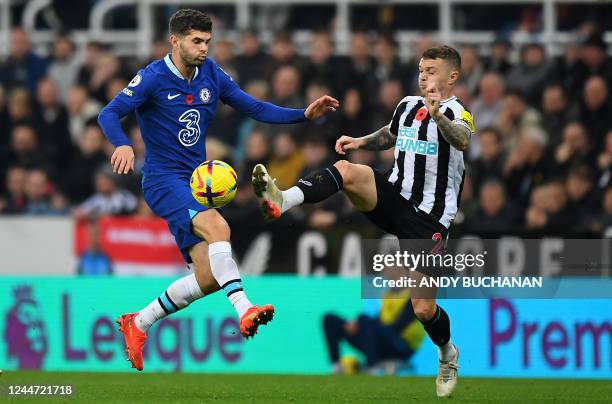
(155, 388)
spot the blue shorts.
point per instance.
(169, 197)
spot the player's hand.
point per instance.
(432, 99)
(320, 107)
(122, 159)
(347, 143)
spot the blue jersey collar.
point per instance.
(174, 70)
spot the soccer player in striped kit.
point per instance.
(418, 199)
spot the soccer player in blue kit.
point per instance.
(175, 100)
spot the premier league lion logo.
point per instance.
(25, 334)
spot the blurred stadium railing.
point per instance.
(139, 41)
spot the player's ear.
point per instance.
(174, 40)
(453, 77)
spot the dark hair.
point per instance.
(446, 53)
(492, 130)
(188, 19)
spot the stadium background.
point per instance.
(536, 77)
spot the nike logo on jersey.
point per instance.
(171, 97)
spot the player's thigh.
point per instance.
(211, 226)
(359, 184)
(201, 263)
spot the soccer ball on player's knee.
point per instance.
(213, 183)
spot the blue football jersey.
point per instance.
(173, 114)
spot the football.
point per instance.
(213, 183)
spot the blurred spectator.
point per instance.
(389, 96)
(86, 162)
(256, 151)
(285, 87)
(568, 71)
(600, 222)
(108, 199)
(499, 60)
(283, 53)
(388, 65)
(94, 261)
(20, 105)
(574, 149)
(327, 125)
(14, 200)
(471, 69)
(51, 122)
(353, 121)
(490, 162)
(488, 106)
(287, 161)
(595, 109)
(25, 151)
(81, 110)
(578, 186)
(421, 44)
(114, 87)
(22, 67)
(594, 58)
(41, 196)
(554, 112)
(531, 74)
(515, 117)
(64, 66)
(323, 66)
(496, 215)
(393, 335)
(98, 68)
(252, 63)
(223, 54)
(528, 164)
(5, 126)
(362, 69)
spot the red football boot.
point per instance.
(253, 318)
(134, 339)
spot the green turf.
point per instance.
(181, 388)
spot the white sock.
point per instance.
(178, 296)
(292, 197)
(225, 271)
(447, 352)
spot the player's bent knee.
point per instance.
(424, 309)
(345, 169)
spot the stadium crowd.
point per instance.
(541, 162)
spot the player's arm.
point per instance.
(382, 139)
(455, 134)
(267, 112)
(458, 132)
(110, 117)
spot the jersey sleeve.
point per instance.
(465, 119)
(128, 100)
(262, 111)
(394, 124)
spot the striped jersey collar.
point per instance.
(448, 99)
(174, 70)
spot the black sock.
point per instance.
(321, 184)
(438, 327)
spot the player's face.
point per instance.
(193, 47)
(438, 72)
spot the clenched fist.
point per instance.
(348, 143)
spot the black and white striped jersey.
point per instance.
(428, 171)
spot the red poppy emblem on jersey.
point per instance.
(189, 99)
(421, 114)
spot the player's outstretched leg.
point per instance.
(437, 325)
(211, 226)
(356, 180)
(134, 326)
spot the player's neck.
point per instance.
(186, 71)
